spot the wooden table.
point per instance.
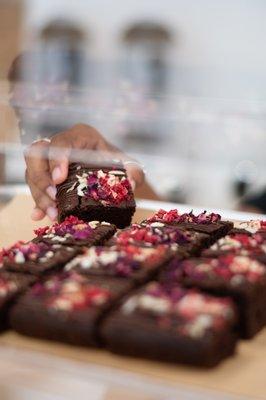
(41, 366)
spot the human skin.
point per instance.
(47, 164)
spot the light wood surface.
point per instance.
(244, 374)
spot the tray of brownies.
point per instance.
(178, 288)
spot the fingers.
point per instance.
(59, 152)
(37, 214)
(47, 164)
(135, 173)
(134, 170)
(44, 204)
(39, 179)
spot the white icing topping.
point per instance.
(49, 254)
(130, 305)
(100, 174)
(196, 303)
(156, 304)
(82, 180)
(116, 172)
(71, 264)
(111, 180)
(226, 243)
(198, 327)
(62, 304)
(93, 224)
(237, 280)
(92, 258)
(157, 224)
(71, 286)
(72, 187)
(19, 258)
(59, 238)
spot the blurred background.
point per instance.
(178, 84)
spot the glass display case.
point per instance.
(179, 88)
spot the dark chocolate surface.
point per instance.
(75, 232)
(241, 278)
(172, 325)
(66, 307)
(72, 201)
(37, 258)
(125, 262)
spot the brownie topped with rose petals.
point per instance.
(172, 324)
(241, 244)
(66, 307)
(127, 262)
(240, 277)
(11, 285)
(75, 232)
(97, 194)
(211, 224)
(157, 233)
(35, 258)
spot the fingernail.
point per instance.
(36, 214)
(56, 174)
(133, 184)
(51, 191)
(52, 213)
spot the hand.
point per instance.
(47, 164)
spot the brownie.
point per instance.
(11, 285)
(75, 232)
(250, 227)
(181, 241)
(240, 277)
(172, 324)
(91, 193)
(129, 262)
(210, 224)
(36, 258)
(239, 243)
(66, 308)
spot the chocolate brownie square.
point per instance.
(36, 258)
(172, 324)
(182, 242)
(66, 308)
(132, 263)
(75, 232)
(239, 243)
(239, 277)
(210, 224)
(11, 285)
(93, 193)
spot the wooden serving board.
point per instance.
(242, 375)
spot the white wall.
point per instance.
(217, 52)
(228, 33)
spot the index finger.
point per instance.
(37, 164)
(59, 152)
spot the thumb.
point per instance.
(135, 173)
